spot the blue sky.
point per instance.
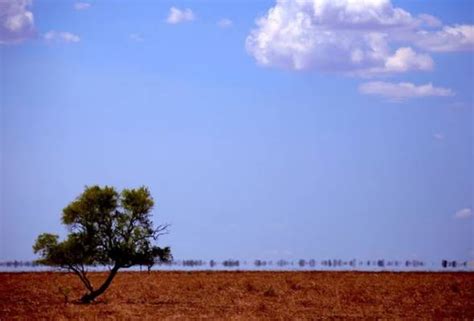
(344, 131)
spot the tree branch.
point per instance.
(82, 277)
(160, 230)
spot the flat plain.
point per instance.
(241, 296)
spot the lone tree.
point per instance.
(105, 228)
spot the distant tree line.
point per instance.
(17, 264)
(259, 263)
(453, 264)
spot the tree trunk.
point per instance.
(89, 297)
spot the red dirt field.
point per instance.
(241, 296)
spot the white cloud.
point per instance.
(403, 90)
(136, 37)
(406, 59)
(225, 23)
(430, 20)
(16, 21)
(460, 105)
(361, 37)
(177, 15)
(81, 6)
(450, 38)
(438, 136)
(463, 213)
(402, 60)
(61, 36)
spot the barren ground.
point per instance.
(241, 296)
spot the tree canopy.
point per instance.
(105, 228)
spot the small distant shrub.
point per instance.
(200, 285)
(295, 286)
(250, 287)
(65, 291)
(270, 292)
(455, 287)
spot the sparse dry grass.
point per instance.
(241, 296)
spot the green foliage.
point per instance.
(105, 228)
(46, 244)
